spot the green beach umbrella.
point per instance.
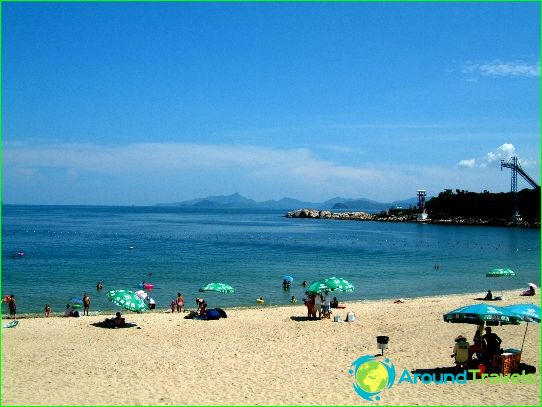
(127, 299)
(316, 287)
(501, 273)
(339, 284)
(330, 284)
(218, 287)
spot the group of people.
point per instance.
(484, 346)
(318, 303)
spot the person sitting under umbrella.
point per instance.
(491, 343)
(461, 353)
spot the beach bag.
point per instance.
(337, 318)
(350, 317)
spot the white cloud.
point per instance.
(500, 68)
(470, 163)
(146, 173)
(298, 167)
(503, 152)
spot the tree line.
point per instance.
(485, 205)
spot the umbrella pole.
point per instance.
(524, 335)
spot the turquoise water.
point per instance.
(68, 249)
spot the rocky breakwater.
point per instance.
(316, 214)
(388, 216)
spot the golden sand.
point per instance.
(256, 356)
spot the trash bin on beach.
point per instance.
(382, 343)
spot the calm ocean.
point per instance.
(68, 249)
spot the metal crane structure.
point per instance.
(513, 164)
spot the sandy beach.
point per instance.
(260, 356)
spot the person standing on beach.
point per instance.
(180, 302)
(326, 305)
(47, 310)
(318, 305)
(86, 304)
(12, 306)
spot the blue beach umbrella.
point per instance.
(528, 313)
(481, 313)
(288, 278)
(76, 302)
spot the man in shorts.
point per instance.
(12, 306)
(86, 303)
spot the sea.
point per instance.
(51, 254)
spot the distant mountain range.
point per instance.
(237, 201)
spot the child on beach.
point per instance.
(173, 305)
(180, 302)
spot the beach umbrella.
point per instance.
(288, 278)
(218, 287)
(142, 294)
(339, 284)
(316, 287)
(481, 313)
(500, 273)
(76, 302)
(528, 313)
(127, 299)
(329, 284)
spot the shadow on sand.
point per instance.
(109, 325)
(300, 319)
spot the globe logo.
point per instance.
(372, 376)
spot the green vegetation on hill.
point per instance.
(486, 205)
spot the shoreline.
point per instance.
(166, 310)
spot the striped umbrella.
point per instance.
(127, 299)
(218, 287)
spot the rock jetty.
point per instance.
(317, 214)
(405, 217)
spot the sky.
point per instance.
(141, 103)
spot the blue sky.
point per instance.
(139, 103)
